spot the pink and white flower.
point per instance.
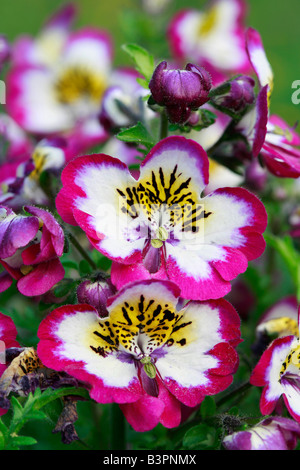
(159, 226)
(8, 334)
(58, 86)
(275, 433)
(46, 48)
(278, 371)
(21, 173)
(30, 247)
(145, 355)
(269, 136)
(16, 148)
(214, 38)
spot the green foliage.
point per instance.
(30, 410)
(201, 437)
(137, 134)
(291, 257)
(143, 60)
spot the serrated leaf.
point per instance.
(17, 409)
(23, 441)
(144, 61)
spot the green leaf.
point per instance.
(201, 435)
(220, 90)
(84, 267)
(144, 62)
(3, 435)
(50, 395)
(63, 288)
(32, 408)
(69, 264)
(18, 441)
(285, 247)
(208, 408)
(137, 134)
(17, 412)
(143, 82)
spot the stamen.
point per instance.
(209, 22)
(76, 82)
(149, 367)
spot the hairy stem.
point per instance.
(82, 251)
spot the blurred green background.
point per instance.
(276, 20)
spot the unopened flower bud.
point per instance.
(95, 292)
(180, 91)
(240, 94)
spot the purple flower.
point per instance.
(180, 91)
(239, 94)
(30, 247)
(274, 433)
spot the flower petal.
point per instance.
(148, 412)
(258, 58)
(42, 278)
(186, 155)
(215, 36)
(89, 47)
(67, 343)
(90, 200)
(202, 338)
(16, 231)
(32, 103)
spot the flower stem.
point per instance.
(164, 125)
(238, 391)
(82, 251)
(118, 428)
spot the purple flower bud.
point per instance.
(95, 292)
(240, 94)
(180, 91)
